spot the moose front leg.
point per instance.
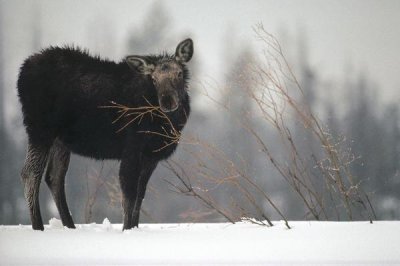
(134, 176)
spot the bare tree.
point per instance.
(155, 29)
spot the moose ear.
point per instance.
(184, 51)
(139, 63)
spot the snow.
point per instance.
(307, 243)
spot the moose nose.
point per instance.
(168, 103)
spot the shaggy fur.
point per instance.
(62, 91)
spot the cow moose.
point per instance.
(65, 94)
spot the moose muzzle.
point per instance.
(168, 101)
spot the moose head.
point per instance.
(167, 72)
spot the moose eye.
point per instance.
(164, 67)
(180, 74)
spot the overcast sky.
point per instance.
(363, 34)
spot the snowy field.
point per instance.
(307, 243)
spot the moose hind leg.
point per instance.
(31, 175)
(55, 179)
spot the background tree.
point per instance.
(154, 30)
(8, 183)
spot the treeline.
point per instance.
(364, 128)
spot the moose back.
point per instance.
(132, 111)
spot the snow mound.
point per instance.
(106, 224)
(54, 223)
(317, 243)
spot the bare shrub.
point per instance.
(322, 182)
(277, 100)
(276, 97)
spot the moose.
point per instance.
(70, 103)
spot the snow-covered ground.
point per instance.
(307, 243)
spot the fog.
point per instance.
(345, 54)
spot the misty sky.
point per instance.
(342, 36)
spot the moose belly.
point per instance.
(93, 149)
(91, 139)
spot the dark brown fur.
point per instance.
(62, 91)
